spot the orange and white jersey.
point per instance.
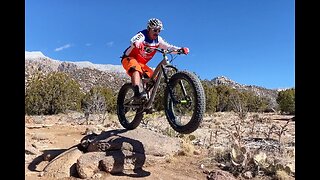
(142, 56)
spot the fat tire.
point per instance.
(199, 106)
(121, 110)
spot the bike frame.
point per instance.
(157, 76)
(158, 73)
(178, 104)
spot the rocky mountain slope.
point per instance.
(113, 76)
(86, 73)
(259, 91)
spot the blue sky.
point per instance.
(249, 41)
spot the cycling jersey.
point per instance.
(142, 56)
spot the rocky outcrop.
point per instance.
(86, 77)
(89, 78)
(114, 151)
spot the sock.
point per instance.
(136, 90)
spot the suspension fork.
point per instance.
(183, 89)
(170, 88)
(166, 78)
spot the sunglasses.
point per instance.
(156, 30)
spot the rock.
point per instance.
(112, 162)
(49, 155)
(220, 175)
(88, 164)
(117, 161)
(197, 152)
(64, 165)
(31, 150)
(116, 151)
(248, 175)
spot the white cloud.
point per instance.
(110, 44)
(63, 47)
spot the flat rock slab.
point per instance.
(138, 140)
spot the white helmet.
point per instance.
(155, 23)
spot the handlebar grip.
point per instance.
(180, 51)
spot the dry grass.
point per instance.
(187, 148)
(282, 175)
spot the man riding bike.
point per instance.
(135, 58)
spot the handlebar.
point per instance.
(163, 51)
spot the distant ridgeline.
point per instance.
(113, 76)
(258, 91)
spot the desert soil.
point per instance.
(66, 130)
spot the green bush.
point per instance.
(52, 94)
(211, 98)
(258, 104)
(224, 94)
(225, 98)
(286, 101)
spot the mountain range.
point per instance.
(113, 76)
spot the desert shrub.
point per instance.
(224, 92)
(254, 103)
(286, 101)
(110, 99)
(211, 98)
(53, 93)
(93, 102)
(258, 104)
(239, 103)
(242, 101)
(99, 100)
(187, 148)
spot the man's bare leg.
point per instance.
(136, 82)
(135, 78)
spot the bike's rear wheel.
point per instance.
(185, 112)
(129, 112)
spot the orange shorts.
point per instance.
(130, 64)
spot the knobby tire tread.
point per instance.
(120, 109)
(200, 105)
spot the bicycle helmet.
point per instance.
(155, 23)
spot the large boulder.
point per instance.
(113, 151)
(139, 140)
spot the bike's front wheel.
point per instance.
(184, 102)
(129, 112)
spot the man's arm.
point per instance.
(137, 39)
(165, 45)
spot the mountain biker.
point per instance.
(135, 58)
